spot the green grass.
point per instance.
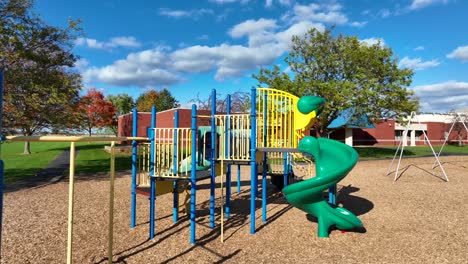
(389, 152)
(18, 166)
(91, 158)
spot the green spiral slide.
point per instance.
(333, 161)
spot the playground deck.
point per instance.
(418, 219)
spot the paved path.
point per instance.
(52, 173)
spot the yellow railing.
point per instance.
(235, 136)
(279, 122)
(143, 160)
(275, 119)
(172, 152)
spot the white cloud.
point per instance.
(161, 66)
(460, 53)
(124, 41)
(194, 13)
(144, 69)
(269, 3)
(373, 41)
(418, 4)
(81, 64)
(443, 97)
(419, 48)
(258, 32)
(251, 27)
(319, 13)
(417, 63)
(358, 24)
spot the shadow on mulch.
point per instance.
(240, 216)
(357, 205)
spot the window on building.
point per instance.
(398, 134)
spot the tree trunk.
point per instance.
(27, 148)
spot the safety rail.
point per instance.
(275, 119)
(234, 137)
(143, 169)
(172, 152)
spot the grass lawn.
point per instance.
(389, 152)
(91, 158)
(18, 166)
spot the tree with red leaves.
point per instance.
(95, 112)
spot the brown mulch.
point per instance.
(418, 219)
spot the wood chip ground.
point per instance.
(418, 219)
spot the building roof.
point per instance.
(348, 118)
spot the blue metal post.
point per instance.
(176, 165)
(213, 159)
(238, 179)
(285, 168)
(134, 168)
(228, 154)
(332, 194)
(1, 161)
(193, 175)
(152, 174)
(264, 160)
(253, 167)
(264, 190)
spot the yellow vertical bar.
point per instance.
(71, 202)
(276, 121)
(111, 204)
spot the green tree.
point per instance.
(163, 100)
(346, 73)
(41, 89)
(123, 102)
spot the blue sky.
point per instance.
(191, 47)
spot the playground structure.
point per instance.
(401, 146)
(177, 158)
(271, 131)
(459, 119)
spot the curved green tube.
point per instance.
(333, 161)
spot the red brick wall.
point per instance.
(163, 119)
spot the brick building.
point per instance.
(385, 133)
(390, 133)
